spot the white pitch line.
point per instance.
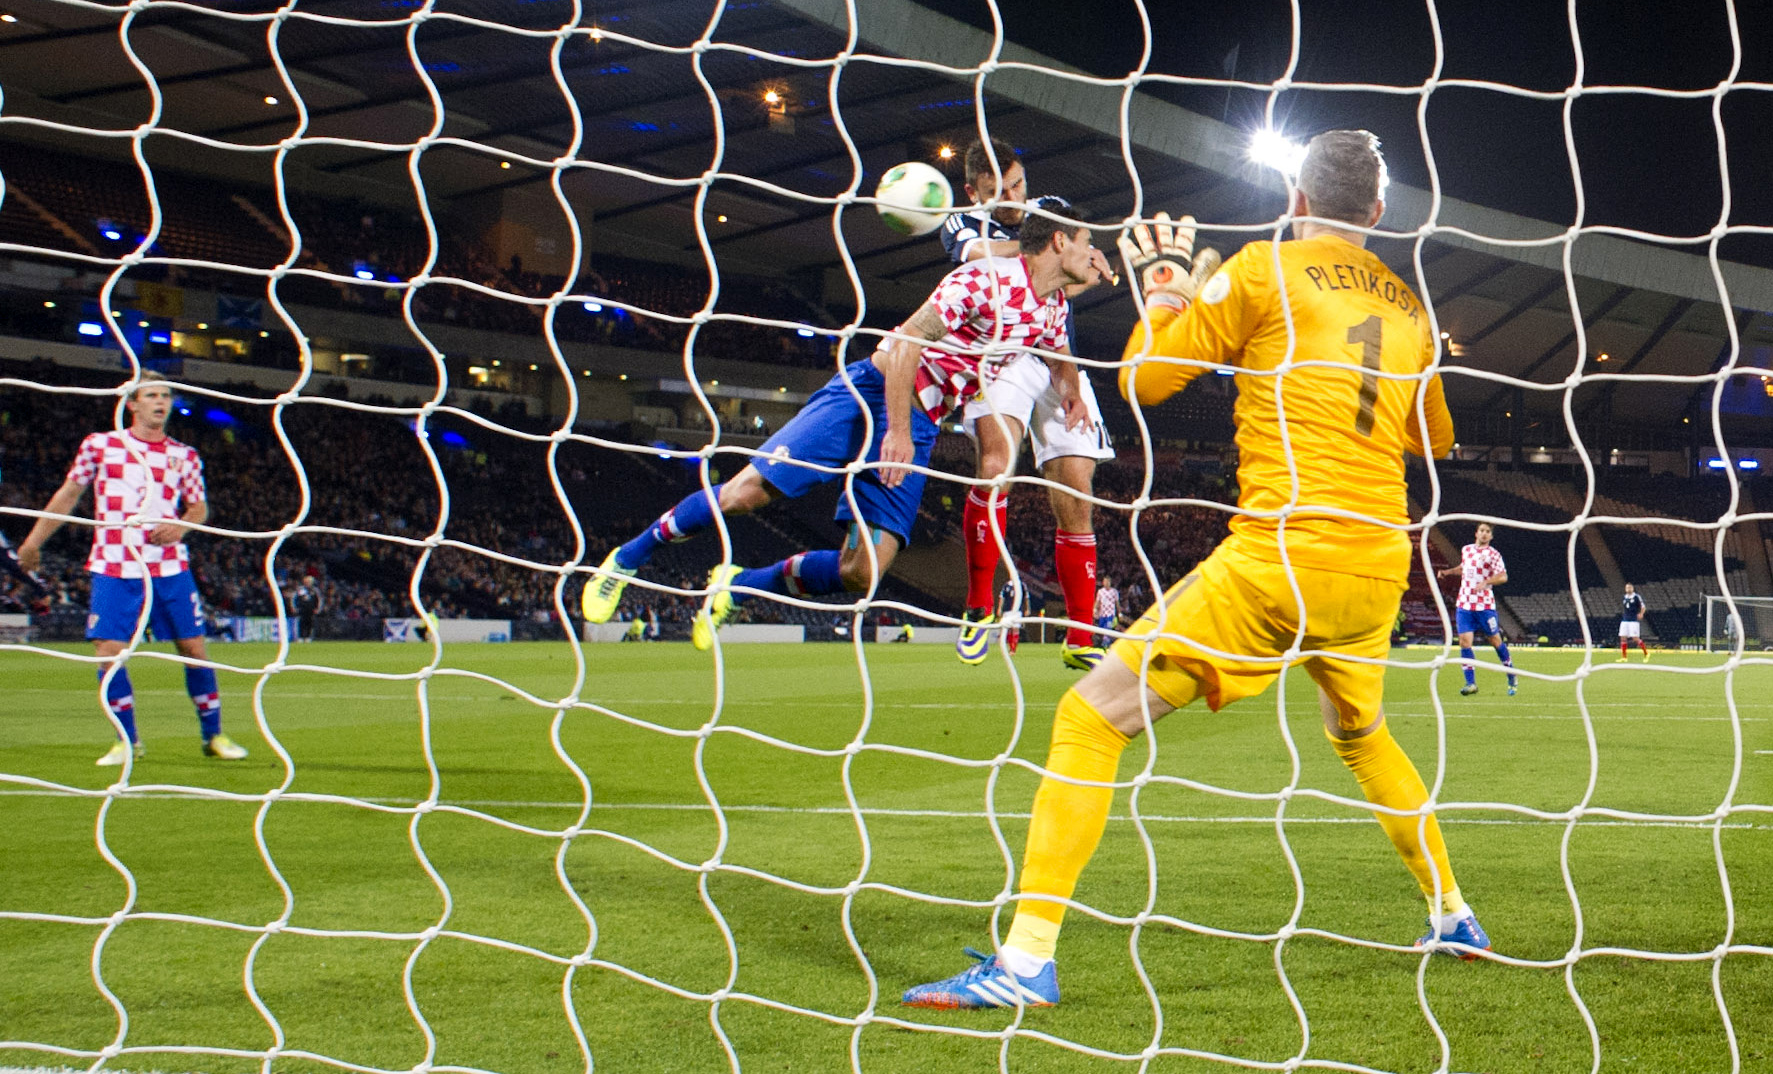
(1604, 714)
(940, 814)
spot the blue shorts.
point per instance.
(1105, 622)
(116, 603)
(828, 431)
(1481, 623)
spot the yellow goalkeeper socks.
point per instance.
(1388, 778)
(1068, 820)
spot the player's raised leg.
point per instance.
(603, 594)
(805, 574)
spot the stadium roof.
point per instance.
(647, 107)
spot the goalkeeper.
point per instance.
(1347, 429)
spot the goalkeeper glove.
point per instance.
(1161, 256)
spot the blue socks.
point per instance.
(691, 516)
(200, 684)
(809, 574)
(1470, 659)
(121, 698)
(1502, 651)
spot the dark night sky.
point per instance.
(1647, 162)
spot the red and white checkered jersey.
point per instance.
(1107, 603)
(993, 315)
(131, 477)
(1478, 562)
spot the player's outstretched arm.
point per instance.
(30, 552)
(1167, 275)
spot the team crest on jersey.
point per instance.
(1216, 289)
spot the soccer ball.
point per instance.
(908, 193)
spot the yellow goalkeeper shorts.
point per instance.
(1243, 606)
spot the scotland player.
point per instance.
(1631, 624)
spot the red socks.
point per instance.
(981, 545)
(1074, 555)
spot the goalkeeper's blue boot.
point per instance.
(715, 612)
(986, 983)
(1464, 941)
(975, 640)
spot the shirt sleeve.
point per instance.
(86, 462)
(957, 298)
(1058, 336)
(957, 231)
(191, 483)
(1496, 559)
(1440, 422)
(1214, 329)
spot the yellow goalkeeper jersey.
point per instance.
(1347, 427)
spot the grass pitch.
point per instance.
(369, 880)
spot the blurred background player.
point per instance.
(306, 602)
(1020, 398)
(1631, 624)
(1107, 610)
(1480, 567)
(141, 472)
(1006, 599)
(1345, 434)
(907, 388)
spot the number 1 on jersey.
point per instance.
(1368, 334)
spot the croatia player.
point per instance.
(1020, 398)
(1631, 621)
(1107, 608)
(1480, 567)
(140, 477)
(999, 303)
(1321, 468)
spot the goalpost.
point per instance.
(879, 34)
(1751, 622)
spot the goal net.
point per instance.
(1730, 620)
(441, 356)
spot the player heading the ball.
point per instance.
(1344, 432)
(140, 479)
(992, 306)
(1020, 398)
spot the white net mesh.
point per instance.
(1277, 949)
